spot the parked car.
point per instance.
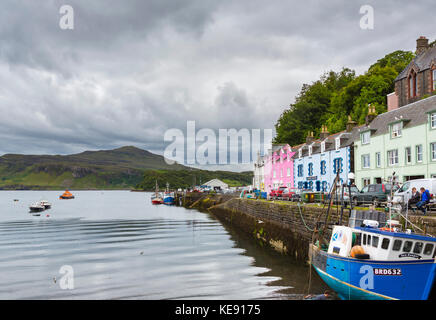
(276, 194)
(373, 194)
(338, 198)
(403, 194)
(287, 194)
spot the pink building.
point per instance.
(279, 167)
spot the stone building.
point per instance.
(418, 79)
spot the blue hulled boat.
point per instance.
(168, 198)
(377, 263)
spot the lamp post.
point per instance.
(350, 177)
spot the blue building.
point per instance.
(316, 162)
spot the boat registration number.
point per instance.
(387, 272)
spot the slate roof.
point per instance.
(423, 62)
(413, 114)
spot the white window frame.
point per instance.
(433, 151)
(378, 159)
(433, 120)
(300, 153)
(337, 143)
(419, 154)
(274, 174)
(365, 138)
(434, 79)
(289, 172)
(395, 157)
(310, 151)
(366, 164)
(323, 147)
(408, 155)
(396, 132)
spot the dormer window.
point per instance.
(310, 150)
(396, 130)
(300, 153)
(337, 143)
(365, 137)
(412, 84)
(323, 147)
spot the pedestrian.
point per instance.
(415, 197)
(425, 199)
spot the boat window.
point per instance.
(369, 240)
(358, 239)
(364, 238)
(385, 243)
(397, 245)
(407, 246)
(418, 247)
(428, 249)
(375, 242)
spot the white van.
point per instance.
(403, 194)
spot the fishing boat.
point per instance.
(168, 196)
(376, 261)
(36, 207)
(66, 195)
(156, 198)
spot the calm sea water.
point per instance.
(121, 247)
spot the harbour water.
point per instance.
(120, 246)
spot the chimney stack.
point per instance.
(371, 114)
(324, 132)
(309, 137)
(421, 45)
(350, 124)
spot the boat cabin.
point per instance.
(382, 245)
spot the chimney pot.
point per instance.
(421, 45)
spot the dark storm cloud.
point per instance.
(132, 69)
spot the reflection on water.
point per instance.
(122, 247)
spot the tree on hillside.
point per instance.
(337, 95)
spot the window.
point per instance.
(419, 153)
(378, 159)
(434, 79)
(433, 151)
(364, 238)
(408, 155)
(397, 245)
(274, 174)
(365, 137)
(366, 181)
(433, 120)
(300, 170)
(337, 144)
(393, 157)
(310, 150)
(396, 130)
(323, 167)
(407, 246)
(418, 247)
(322, 146)
(337, 165)
(369, 240)
(365, 161)
(428, 249)
(385, 243)
(375, 242)
(281, 172)
(412, 85)
(289, 172)
(310, 171)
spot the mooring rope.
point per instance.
(302, 218)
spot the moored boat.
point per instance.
(45, 204)
(66, 195)
(36, 207)
(168, 198)
(372, 262)
(156, 198)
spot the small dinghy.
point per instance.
(45, 204)
(66, 195)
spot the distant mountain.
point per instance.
(121, 168)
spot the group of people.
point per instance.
(420, 199)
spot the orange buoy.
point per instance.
(356, 250)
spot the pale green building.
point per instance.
(402, 141)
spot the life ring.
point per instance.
(387, 229)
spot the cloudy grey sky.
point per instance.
(132, 69)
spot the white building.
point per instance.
(258, 177)
(216, 183)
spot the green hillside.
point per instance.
(121, 168)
